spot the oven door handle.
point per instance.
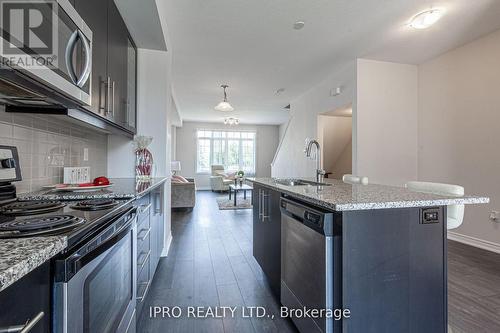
(79, 261)
(82, 261)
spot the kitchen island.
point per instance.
(379, 251)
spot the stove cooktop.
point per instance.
(95, 204)
(37, 226)
(76, 221)
(21, 208)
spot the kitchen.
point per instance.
(101, 232)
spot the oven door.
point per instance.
(100, 296)
(63, 64)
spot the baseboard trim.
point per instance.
(166, 248)
(473, 241)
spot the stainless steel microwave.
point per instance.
(46, 54)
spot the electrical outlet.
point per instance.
(494, 215)
(85, 154)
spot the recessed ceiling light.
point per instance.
(426, 19)
(299, 25)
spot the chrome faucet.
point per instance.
(319, 172)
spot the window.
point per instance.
(234, 150)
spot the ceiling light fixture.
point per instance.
(224, 106)
(231, 121)
(279, 91)
(299, 25)
(425, 19)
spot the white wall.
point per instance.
(153, 98)
(290, 160)
(385, 122)
(459, 113)
(343, 164)
(335, 134)
(282, 130)
(154, 113)
(267, 142)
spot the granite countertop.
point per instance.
(123, 188)
(22, 255)
(346, 197)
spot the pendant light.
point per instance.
(224, 106)
(231, 121)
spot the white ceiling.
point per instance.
(251, 45)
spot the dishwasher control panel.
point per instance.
(313, 218)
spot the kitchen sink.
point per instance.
(299, 182)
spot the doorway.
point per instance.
(335, 138)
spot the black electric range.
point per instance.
(98, 266)
(74, 219)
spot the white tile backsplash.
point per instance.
(47, 144)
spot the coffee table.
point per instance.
(236, 188)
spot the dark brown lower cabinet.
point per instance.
(267, 234)
(27, 301)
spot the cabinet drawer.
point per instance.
(143, 244)
(143, 209)
(142, 225)
(143, 262)
(143, 283)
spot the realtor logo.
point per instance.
(29, 33)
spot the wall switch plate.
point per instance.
(78, 175)
(495, 215)
(85, 154)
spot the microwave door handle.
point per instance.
(88, 60)
(69, 55)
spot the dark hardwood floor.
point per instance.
(211, 264)
(473, 289)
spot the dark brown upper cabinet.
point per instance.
(112, 75)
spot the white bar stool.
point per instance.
(350, 179)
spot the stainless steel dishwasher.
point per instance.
(310, 263)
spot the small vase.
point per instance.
(143, 164)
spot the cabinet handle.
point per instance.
(103, 108)
(144, 208)
(265, 200)
(141, 298)
(146, 257)
(23, 328)
(113, 99)
(260, 204)
(108, 95)
(146, 233)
